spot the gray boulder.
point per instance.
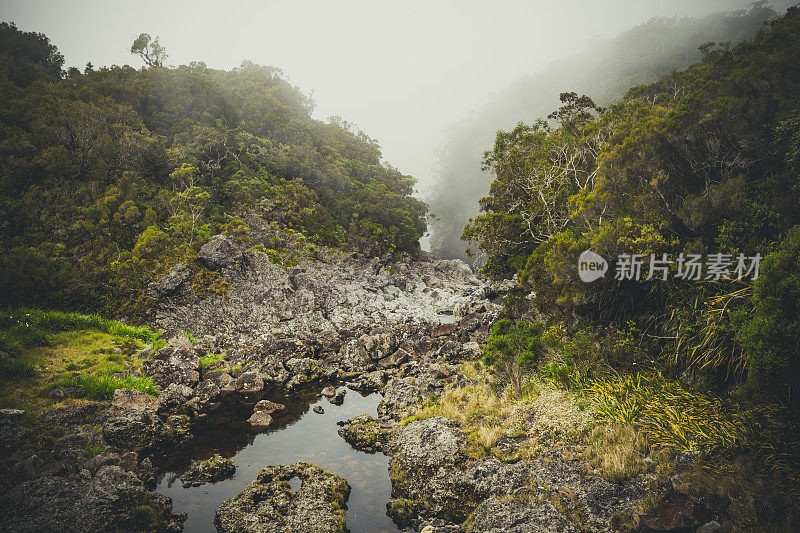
(220, 252)
(270, 505)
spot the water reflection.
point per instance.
(298, 435)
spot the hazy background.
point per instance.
(404, 72)
(401, 71)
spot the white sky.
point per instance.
(402, 71)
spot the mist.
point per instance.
(431, 81)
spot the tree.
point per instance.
(150, 50)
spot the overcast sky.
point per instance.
(402, 71)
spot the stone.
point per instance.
(268, 407)
(113, 499)
(174, 398)
(219, 252)
(328, 392)
(520, 514)
(442, 330)
(259, 420)
(319, 410)
(338, 398)
(710, 527)
(249, 384)
(56, 394)
(363, 433)
(215, 468)
(270, 505)
(131, 400)
(171, 282)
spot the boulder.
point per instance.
(268, 407)
(675, 511)
(219, 252)
(363, 433)
(171, 282)
(270, 505)
(215, 468)
(259, 420)
(112, 500)
(174, 398)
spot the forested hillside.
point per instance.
(703, 161)
(604, 71)
(110, 176)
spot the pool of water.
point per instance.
(299, 435)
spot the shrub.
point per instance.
(770, 332)
(513, 349)
(208, 359)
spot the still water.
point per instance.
(299, 434)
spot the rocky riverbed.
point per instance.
(349, 323)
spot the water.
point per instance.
(299, 435)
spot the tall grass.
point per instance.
(102, 386)
(38, 320)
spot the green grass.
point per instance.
(102, 386)
(210, 358)
(15, 368)
(25, 327)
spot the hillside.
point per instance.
(111, 176)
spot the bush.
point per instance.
(770, 332)
(208, 359)
(513, 349)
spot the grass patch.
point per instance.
(25, 327)
(619, 451)
(102, 386)
(16, 368)
(208, 359)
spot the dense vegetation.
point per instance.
(604, 70)
(109, 177)
(703, 161)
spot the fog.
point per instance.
(404, 72)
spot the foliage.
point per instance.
(702, 161)
(671, 417)
(208, 359)
(110, 177)
(513, 349)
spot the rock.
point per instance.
(675, 511)
(268, 407)
(259, 420)
(369, 382)
(710, 527)
(131, 400)
(363, 433)
(380, 343)
(56, 394)
(319, 410)
(113, 500)
(399, 357)
(338, 399)
(328, 392)
(215, 468)
(249, 384)
(171, 282)
(398, 396)
(11, 416)
(174, 398)
(442, 330)
(749, 511)
(137, 426)
(269, 504)
(520, 514)
(219, 252)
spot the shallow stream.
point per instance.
(299, 435)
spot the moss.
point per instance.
(208, 283)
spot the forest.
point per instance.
(111, 176)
